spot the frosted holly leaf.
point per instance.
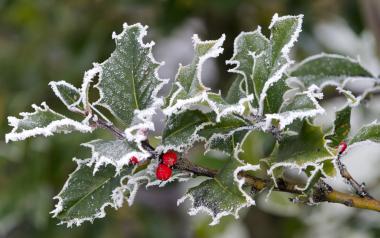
(43, 121)
(184, 129)
(85, 196)
(263, 62)
(222, 108)
(68, 94)
(301, 105)
(180, 130)
(368, 133)
(305, 150)
(328, 69)
(342, 127)
(245, 44)
(188, 87)
(220, 196)
(128, 79)
(237, 91)
(115, 152)
(308, 145)
(284, 33)
(226, 135)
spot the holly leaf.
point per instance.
(328, 69)
(180, 130)
(236, 91)
(305, 151)
(368, 133)
(115, 152)
(262, 62)
(85, 196)
(246, 44)
(225, 135)
(307, 146)
(43, 121)
(184, 129)
(342, 126)
(128, 79)
(188, 88)
(301, 105)
(220, 196)
(68, 94)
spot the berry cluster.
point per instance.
(164, 170)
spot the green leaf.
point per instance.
(184, 129)
(284, 32)
(370, 132)
(236, 91)
(128, 79)
(219, 196)
(226, 134)
(85, 196)
(246, 44)
(68, 94)
(342, 126)
(188, 87)
(328, 69)
(115, 152)
(262, 62)
(308, 146)
(180, 130)
(43, 121)
(301, 105)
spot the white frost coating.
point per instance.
(77, 221)
(293, 165)
(143, 118)
(286, 49)
(286, 118)
(215, 218)
(241, 181)
(117, 196)
(221, 110)
(87, 80)
(351, 99)
(181, 104)
(332, 82)
(185, 146)
(100, 160)
(273, 79)
(285, 53)
(224, 137)
(214, 52)
(72, 107)
(236, 51)
(54, 126)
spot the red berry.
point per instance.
(169, 158)
(163, 172)
(134, 160)
(342, 147)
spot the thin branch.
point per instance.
(324, 193)
(359, 188)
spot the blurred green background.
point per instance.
(51, 40)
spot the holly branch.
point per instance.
(322, 191)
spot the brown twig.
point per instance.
(324, 192)
(359, 188)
